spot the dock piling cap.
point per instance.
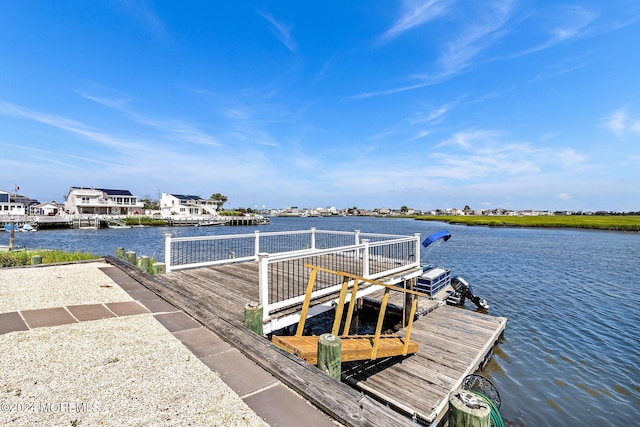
(470, 400)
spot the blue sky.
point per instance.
(428, 104)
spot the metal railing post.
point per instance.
(417, 260)
(365, 258)
(263, 283)
(313, 238)
(167, 251)
(357, 237)
(256, 247)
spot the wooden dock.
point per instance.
(453, 342)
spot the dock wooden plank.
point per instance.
(353, 347)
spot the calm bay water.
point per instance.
(571, 353)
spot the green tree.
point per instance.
(404, 209)
(221, 197)
(150, 204)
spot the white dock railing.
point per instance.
(281, 257)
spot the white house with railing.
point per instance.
(10, 206)
(188, 205)
(101, 201)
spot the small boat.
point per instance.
(438, 283)
(28, 227)
(117, 224)
(7, 227)
(211, 223)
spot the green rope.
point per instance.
(494, 415)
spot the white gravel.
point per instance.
(112, 372)
(118, 371)
(57, 286)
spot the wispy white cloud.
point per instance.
(144, 15)
(572, 22)
(415, 13)
(475, 32)
(282, 31)
(433, 115)
(179, 130)
(68, 125)
(174, 128)
(487, 27)
(466, 139)
(110, 102)
(620, 122)
(485, 153)
(420, 135)
(424, 81)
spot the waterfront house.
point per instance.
(101, 201)
(188, 205)
(46, 209)
(11, 204)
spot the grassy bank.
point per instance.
(145, 220)
(596, 222)
(18, 258)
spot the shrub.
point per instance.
(8, 260)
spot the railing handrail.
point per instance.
(373, 259)
(285, 233)
(240, 236)
(352, 280)
(306, 252)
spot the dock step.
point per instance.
(354, 347)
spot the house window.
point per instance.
(84, 200)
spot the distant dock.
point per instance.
(44, 222)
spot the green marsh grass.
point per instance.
(595, 222)
(18, 258)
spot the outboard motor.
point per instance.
(463, 290)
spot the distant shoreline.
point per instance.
(591, 222)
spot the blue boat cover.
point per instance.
(444, 234)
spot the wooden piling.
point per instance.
(253, 317)
(330, 355)
(143, 263)
(12, 234)
(36, 260)
(120, 253)
(130, 257)
(468, 410)
(159, 268)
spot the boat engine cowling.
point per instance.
(463, 291)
